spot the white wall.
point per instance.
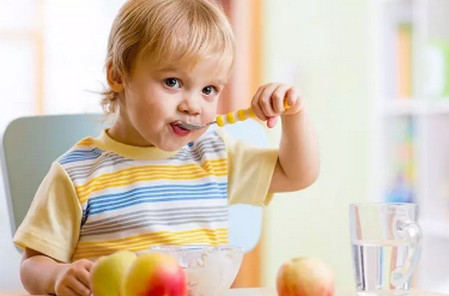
(322, 47)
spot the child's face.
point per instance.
(153, 101)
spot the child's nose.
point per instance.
(190, 105)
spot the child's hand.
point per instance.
(268, 102)
(74, 279)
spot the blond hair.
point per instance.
(166, 32)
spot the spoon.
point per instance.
(229, 118)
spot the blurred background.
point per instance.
(374, 75)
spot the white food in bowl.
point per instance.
(210, 270)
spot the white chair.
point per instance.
(31, 144)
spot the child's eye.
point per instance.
(210, 90)
(172, 82)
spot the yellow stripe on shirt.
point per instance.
(129, 176)
(141, 242)
(86, 142)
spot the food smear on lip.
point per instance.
(178, 130)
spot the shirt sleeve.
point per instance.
(250, 170)
(52, 224)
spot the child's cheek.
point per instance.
(209, 113)
(209, 117)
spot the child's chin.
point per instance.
(171, 147)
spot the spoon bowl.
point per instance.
(191, 126)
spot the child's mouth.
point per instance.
(178, 129)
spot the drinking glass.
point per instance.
(386, 246)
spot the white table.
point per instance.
(272, 292)
(254, 292)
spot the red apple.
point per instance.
(305, 277)
(155, 274)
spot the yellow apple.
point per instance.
(155, 274)
(108, 272)
(305, 276)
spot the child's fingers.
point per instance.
(82, 281)
(84, 278)
(291, 97)
(79, 288)
(294, 100)
(265, 100)
(270, 100)
(271, 122)
(67, 291)
(278, 97)
(255, 104)
(258, 111)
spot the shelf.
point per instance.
(415, 106)
(411, 119)
(435, 229)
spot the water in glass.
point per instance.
(375, 264)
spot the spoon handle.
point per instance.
(233, 117)
(240, 115)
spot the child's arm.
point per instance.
(43, 275)
(298, 163)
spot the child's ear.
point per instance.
(114, 78)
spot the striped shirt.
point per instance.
(103, 196)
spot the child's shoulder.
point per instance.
(84, 149)
(85, 142)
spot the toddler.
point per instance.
(147, 180)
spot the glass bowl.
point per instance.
(210, 270)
